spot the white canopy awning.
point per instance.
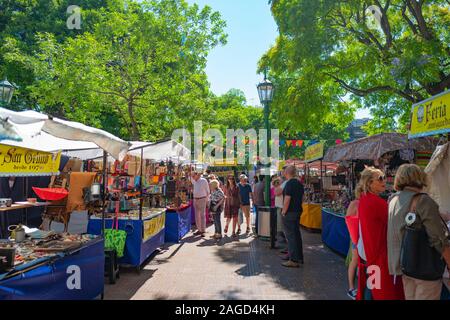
(41, 132)
(160, 151)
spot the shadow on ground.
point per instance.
(321, 277)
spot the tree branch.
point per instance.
(416, 10)
(410, 23)
(366, 92)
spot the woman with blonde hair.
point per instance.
(372, 242)
(410, 201)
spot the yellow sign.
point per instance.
(153, 226)
(430, 116)
(281, 164)
(225, 163)
(17, 161)
(314, 152)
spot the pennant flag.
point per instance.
(294, 143)
(299, 143)
(282, 142)
(339, 141)
(289, 143)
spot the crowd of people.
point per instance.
(234, 200)
(391, 238)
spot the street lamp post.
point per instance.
(6, 92)
(265, 91)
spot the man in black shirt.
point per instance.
(292, 209)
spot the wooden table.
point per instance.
(16, 206)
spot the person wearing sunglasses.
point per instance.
(372, 242)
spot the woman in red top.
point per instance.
(373, 259)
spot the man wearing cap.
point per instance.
(245, 194)
(201, 194)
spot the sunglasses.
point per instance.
(381, 178)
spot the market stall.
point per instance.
(50, 263)
(178, 223)
(70, 268)
(386, 151)
(150, 179)
(311, 217)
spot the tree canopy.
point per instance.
(333, 57)
(134, 68)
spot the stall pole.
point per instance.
(105, 186)
(321, 178)
(140, 186)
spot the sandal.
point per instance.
(247, 231)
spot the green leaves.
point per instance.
(333, 56)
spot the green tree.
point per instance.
(21, 20)
(332, 57)
(144, 64)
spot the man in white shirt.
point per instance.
(201, 194)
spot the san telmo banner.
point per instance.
(314, 152)
(17, 161)
(430, 116)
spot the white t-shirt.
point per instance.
(279, 199)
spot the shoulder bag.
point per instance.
(115, 238)
(418, 259)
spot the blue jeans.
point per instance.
(291, 226)
(217, 222)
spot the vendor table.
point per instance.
(311, 216)
(143, 236)
(15, 206)
(56, 278)
(334, 232)
(178, 223)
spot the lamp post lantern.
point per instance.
(265, 91)
(6, 92)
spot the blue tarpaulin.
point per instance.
(334, 232)
(136, 250)
(55, 279)
(178, 224)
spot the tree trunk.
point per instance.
(134, 126)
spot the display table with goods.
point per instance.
(50, 265)
(178, 222)
(335, 234)
(143, 236)
(137, 194)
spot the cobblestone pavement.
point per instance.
(200, 269)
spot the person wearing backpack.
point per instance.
(416, 230)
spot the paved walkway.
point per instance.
(246, 269)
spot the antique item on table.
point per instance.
(17, 233)
(32, 200)
(5, 202)
(57, 246)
